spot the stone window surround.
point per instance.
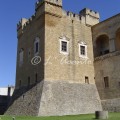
(85, 45)
(64, 39)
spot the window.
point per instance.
(21, 54)
(36, 77)
(28, 81)
(36, 46)
(82, 50)
(64, 46)
(106, 82)
(86, 80)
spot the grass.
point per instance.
(112, 116)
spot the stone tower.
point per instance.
(63, 82)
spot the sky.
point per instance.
(12, 11)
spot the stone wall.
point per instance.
(113, 105)
(50, 98)
(59, 66)
(107, 65)
(26, 101)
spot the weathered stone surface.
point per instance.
(26, 101)
(108, 65)
(64, 98)
(113, 105)
(57, 98)
(64, 90)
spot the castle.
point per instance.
(79, 68)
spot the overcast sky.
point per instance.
(11, 11)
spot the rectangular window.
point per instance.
(37, 47)
(28, 81)
(82, 50)
(64, 46)
(86, 80)
(106, 82)
(36, 77)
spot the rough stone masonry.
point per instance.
(53, 87)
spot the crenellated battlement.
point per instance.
(24, 22)
(71, 15)
(21, 23)
(74, 16)
(55, 2)
(85, 16)
(92, 13)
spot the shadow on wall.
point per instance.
(102, 45)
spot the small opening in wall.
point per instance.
(28, 81)
(37, 47)
(36, 77)
(86, 79)
(106, 82)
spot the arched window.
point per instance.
(117, 41)
(102, 45)
(21, 55)
(36, 46)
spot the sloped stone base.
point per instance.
(111, 105)
(26, 101)
(63, 98)
(51, 98)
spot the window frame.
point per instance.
(64, 40)
(37, 41)
(81, 55)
